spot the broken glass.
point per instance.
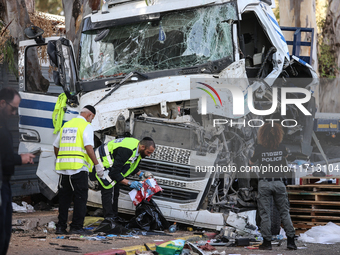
(180, 39)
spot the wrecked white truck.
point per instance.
(137, 64)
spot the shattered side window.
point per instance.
(38, 75)
(179, 39)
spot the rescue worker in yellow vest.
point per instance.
(73, 149)
(120, 158)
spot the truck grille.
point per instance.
(170, 170)
(171, 154)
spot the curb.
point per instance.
(131, 250)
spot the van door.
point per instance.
(39, 94)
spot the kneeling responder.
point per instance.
(120, 158)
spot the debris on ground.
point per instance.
(327, 234)
(25, 208)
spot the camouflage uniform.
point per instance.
(277, 190)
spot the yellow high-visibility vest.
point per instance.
(58, 113)
(104, 152)
(72, 154)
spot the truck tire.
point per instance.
(275, 219)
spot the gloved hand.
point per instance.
(99, 170)
(141, 175)
(136, 185)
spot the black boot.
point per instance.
(291, 243)
(60, 231)
(266, 245)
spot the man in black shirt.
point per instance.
(9, 103)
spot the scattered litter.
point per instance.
(45, 231)
(172, 228)
(76, 238)
(111, 235)
(42, 206)
(195, 249)
(244, 222)
(207, 247)
(51, 225)
(39, 237)
(301, 248)
(42, 239)
(93, 238)
(25, 208)
(283, 233)
(252, 247)
(69, 248)
(327, 234)
(158, 240)
(277, 238)
(60, 237)
(242, 241)
(126, 235)
(171, 247)
(109, 226)
(150, 251)
(89, 221)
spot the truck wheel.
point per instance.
(276, 220)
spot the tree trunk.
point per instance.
(30, 5)
(300, 14)
(331, 30)
(74, 12)
(330, 89)
(14, 14)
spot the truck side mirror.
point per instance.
(34, 32)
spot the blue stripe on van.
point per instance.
(38, 105)
(36, 121)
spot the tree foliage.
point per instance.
(49, 6)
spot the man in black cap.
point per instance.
(73, 149)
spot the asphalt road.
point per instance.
(39, 243)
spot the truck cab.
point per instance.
(140, 63)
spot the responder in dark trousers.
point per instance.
(271, 154)
(9, 103)
(120, 158)
(73, 148)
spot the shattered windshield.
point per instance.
(177, 40)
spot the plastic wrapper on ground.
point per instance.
(327, 234)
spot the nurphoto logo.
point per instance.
(240, 101)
